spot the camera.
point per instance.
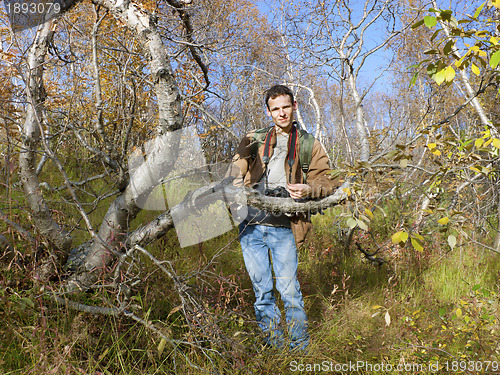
(278, 191)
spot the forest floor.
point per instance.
(434, 311)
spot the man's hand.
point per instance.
(299, 191)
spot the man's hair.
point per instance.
(278, 90)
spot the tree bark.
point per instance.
(123, 210)
(35, 92)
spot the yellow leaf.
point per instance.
(418, 236)
(436, 152)
(496, 143)
(486, 133)
(475, 69)
(459, 312)
(439, 76)
(400, 236)
(369, 213)
(475, 169)
(417, 245)
(479, 142)
(444, 221)
(496, 3)
(161, 346)
(377, 307)
(449, 74)
(431, 146)
(347, 191)
(494, 40)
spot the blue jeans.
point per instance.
(260, 244)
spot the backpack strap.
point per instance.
(257, 139)
(306, 142)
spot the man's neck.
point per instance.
(285, 131)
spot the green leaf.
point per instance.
(446, 14)
(362, 224)
(430, 21)
(26, 301)
(431, 69)
(431, 51)
(393, 153)
(414, 78)
(417, 24)
(478, 10)
(453, 21)
(442, 311)
(435, 34)
(452, 240)
(161, 346)
(351, 222)
(495, 59)
(448, 47)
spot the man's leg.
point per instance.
(284, 254)
(258, 264)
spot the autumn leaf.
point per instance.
(444, 221)
(475, 69)
(399, 237)
(416, 244)
(449, 74)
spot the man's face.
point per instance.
(281, 111)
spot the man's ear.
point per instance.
(294, 105)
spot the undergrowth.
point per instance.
(438, 307)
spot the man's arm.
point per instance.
(319, 184)
(241, 161)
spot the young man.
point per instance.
(267, 237)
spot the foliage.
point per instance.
(423, 207)
(477, 34)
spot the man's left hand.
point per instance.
(299, 191)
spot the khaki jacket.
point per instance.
(250, 171)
